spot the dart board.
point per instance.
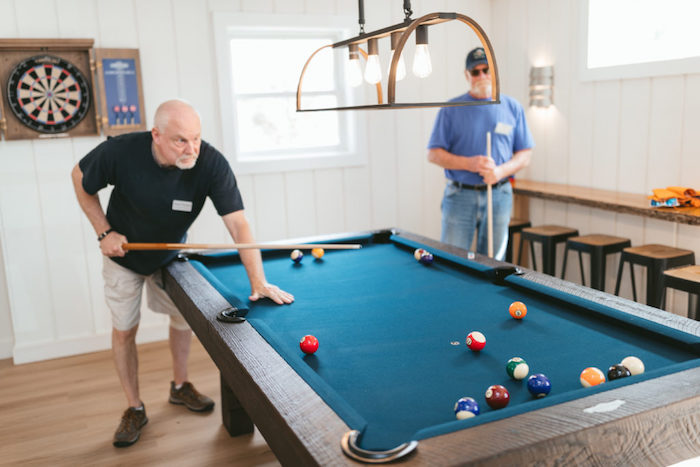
(48, 94)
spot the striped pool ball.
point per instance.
(296, 256)
(592, 376)
(517, 368)
(466, 407)
(476, 341)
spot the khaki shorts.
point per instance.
(123, 290)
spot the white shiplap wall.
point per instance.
(629, 135)
(51, 301)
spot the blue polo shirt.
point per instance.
(462, 131)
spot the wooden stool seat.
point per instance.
(598, 246)
(549, 236)
(514, 226)
(657, 259)
(686, 279)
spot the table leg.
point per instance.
(233, 415)
(549, 250)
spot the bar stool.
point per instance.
(514, 226)
(686, 279)
(657, 259)
(598, 246)
(549, 236)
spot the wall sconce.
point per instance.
(399, 34)
(541, 86)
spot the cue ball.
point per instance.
(633, 364)
(618, 371)
(418, 253)
(517, 310)
(592, 376)
(539, 385)
(308, 344)
(296, 256)
(497, 396)
(517, 368)
(466, 407)
(317, 253)
(476, 341)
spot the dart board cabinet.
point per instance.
(46, 87)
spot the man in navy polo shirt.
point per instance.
(458, 144)
(161, 180)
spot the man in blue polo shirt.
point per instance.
(458, 144)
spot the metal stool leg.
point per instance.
(580, 265)
(634, 287)
(566, 256)
(532, 253)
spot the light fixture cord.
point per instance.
(407, 9)
(361, 15)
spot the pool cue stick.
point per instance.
(237, 246)
(489, 200)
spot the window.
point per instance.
(637, 38)
(260, 61)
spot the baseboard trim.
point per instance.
(6, 346)
(36, 352)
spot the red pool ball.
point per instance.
(497, 396)
(308, 344)
(476, 341)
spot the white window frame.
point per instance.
(227, 25)
(629, 71)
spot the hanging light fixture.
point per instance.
(354, 70)
(401, 66)
(422, 67)
(421, 59)
(373, 70)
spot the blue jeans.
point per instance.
(464, 212)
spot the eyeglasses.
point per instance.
(475, 72)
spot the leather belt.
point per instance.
(465, 186)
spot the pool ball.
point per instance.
(517, 368)
(618, 371)
(539, 385)
(592, 376)
(317, 253)
(466, 407)
(517, 310)
(497, 396)
(476, 341)
(633, 364)
(426, 258)
(296, 256)
(418, 253)
(308, 344)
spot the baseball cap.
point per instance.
(476, 57)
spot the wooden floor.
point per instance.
(65, 411)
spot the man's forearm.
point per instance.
(449, 161)
(520, 160)
(90, 204)
(240, 232)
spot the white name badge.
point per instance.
(184, 206)
(503, 128)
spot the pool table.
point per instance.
(392, 359)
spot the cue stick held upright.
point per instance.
(489, 201)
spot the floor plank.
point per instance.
(65, 411)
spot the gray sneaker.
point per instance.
(188, 396)
(130, 427)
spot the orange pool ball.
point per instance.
(592, 376)
(517, 310)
